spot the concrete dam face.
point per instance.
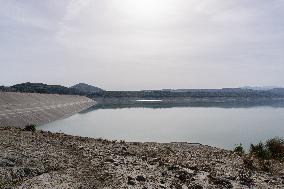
(21, 109)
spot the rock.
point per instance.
(172, 168)
(178, 186)
(184, 176)
(48, 160)
(220, 181)
(266, 180)
(123, 148)
(130, 181)
(164, 173)
(144, 158)
(195, 186)
(188, 170)
(194, 168)
(184, 187)
(140, 178)
(6, 162)
(245, 178)
(109, 160)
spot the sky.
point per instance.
(143, 44)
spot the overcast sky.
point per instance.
(143, 44)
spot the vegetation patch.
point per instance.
(30, 127)
(271, 149)
(239, 149)
(261, 157)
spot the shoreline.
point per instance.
(54, 160)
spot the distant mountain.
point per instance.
(277, 91)
(86, 89)
(264, 88)
(95, 92)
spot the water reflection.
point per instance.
(205, 102)
(218, 123)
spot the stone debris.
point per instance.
(54, 160)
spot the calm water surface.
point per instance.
(215, 126)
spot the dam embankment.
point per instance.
(20, 109)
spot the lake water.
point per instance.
(213, 125)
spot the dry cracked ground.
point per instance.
(46, 160)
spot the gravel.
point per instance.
(55, 160)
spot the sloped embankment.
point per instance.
(20, 109)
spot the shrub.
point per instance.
(30, 127)
(272, 149)
(276, 148)
(239, 149)
(259, 151)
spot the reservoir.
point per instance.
(214, 125)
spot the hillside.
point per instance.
(86, 89)
(79, 89)
(42, 88)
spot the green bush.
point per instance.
(239, 149)
(276, 148)
(272, 149)
(259, 151)
(30, 127)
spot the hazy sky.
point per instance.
(143, 44)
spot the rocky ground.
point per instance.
(46, 160)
